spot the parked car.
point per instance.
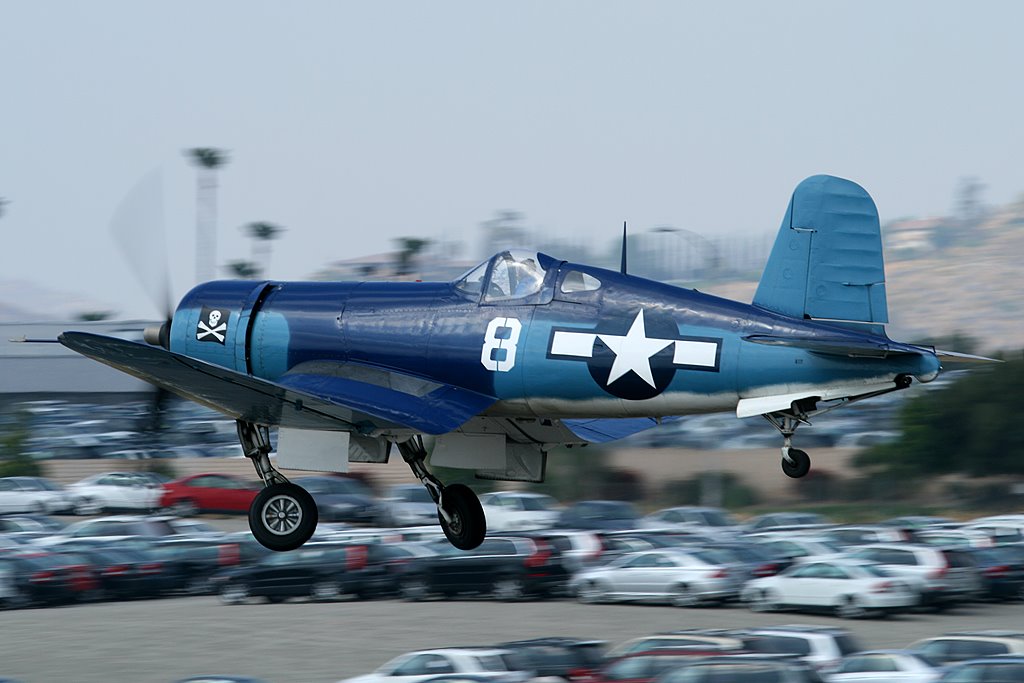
(32, 494)
(717, 639)
(570, 659)
(999, 669)
(507, 568)
(822, 647)
(418, 666)
(884, 666)
(342, 499)
(740, 668)
(1002, 572)
(319, 571)
(851, 589)
(681, 578)
(947, 576)
(959, 647)
(209, 492)
(112, 526)
(114, 491)
(518, 510)
(408, 505)
(599, 515)
(648, 665)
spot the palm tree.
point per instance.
(246, 270)
(207, 161)
(262, 233)
(408, 249)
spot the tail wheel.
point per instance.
(283, 516)
(466, 526)
(797, 465)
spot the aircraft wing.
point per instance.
(303, 400)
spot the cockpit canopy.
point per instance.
(512, 275)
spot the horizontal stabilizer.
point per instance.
(326, 403)
(852, 348)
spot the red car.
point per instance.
(207, 493)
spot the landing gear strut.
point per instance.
(458, 508)
(283, 515)
(795, 462)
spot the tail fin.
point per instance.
(827, 259)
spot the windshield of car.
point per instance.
(538, 503)
(718, 518)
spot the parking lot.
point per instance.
(157, 641)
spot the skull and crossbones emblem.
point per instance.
(210, 326)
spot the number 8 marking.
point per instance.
(506, 341)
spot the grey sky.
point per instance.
(355, 123)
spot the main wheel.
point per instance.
(798, 464)
(468, 526)
(282, 516)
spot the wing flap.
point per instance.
(301, 401)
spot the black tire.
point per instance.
(800, 465)
(468, 526)
(282, 516)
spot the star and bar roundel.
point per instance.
(640, 362)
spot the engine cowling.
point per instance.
(212, 322)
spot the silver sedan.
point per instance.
(684, 578)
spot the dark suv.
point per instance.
(568, 658)
(507, 568)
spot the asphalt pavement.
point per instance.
(158, 641)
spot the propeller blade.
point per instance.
(138, 230)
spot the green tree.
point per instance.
(14, 461)
(246, 270)
(972, 426)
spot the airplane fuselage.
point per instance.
(624, 347)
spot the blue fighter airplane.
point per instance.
(523, 353)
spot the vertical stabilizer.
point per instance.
(827, 259)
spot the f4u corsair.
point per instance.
(523, 353)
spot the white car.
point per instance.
(683, 578)
(132, 491)
(883, 666)
(518, 510)
(414, 667)
(32, 494)
(849, 588)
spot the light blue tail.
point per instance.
(827, 259)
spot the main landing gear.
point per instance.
(283, 515)
(458, 508)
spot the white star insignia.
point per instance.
(633, 351)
